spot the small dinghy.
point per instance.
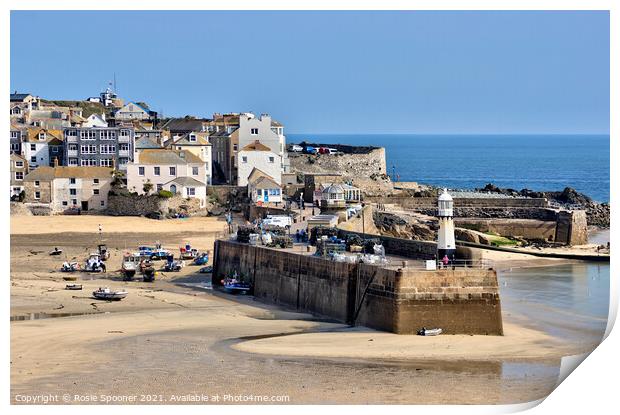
(56, 251)
(429, 332)
(108, 294)
(234, 286)
(73, 287)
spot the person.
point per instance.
(445, 261)
(102, 264)
(297, 235)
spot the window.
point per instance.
(259, 192)
(54, 149)
(73, 162)
(102, 203)
(73, 192)
(74, 202)
(42, 136)
(88, 162)
(14, 134)
(95, 181)
(71, 133)
(15, 147)
(33, 147)
(72, 147)
(173, 171)
(254, 131)
(156, 170)
(105, 162)
(37, 183)
(72, 180)
(19, 164)
(37, 195)
(95, 191)
(107, 149)
(124, 133)
(192, 138)
(191, 191)
(123, 147)
(88, 135)
(160, 187)
(271, 159)
(195, 171)
(65, 203)
(123, 160)
(108, 135)
(88, 149)
(19, 175)
(244, 159)
(33, 159)
(141, 171)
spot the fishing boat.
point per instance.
(73, 287)
(234, 286)
(108, 294)
(56, 251)
(429, 332)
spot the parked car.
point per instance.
(311, 150)
(332, 151)
(297, 148)
(323, 150)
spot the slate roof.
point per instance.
(165, 156)
(143, 143)
(183, 124)
(19, 97)
(46, 173)
(202, 139)
(265, 182)
(187, 181)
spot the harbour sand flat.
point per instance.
(167, 338)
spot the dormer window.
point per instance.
(41, 136)
(192, 138)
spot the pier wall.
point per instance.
(402, 301)
(413, 202)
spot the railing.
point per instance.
(72, 153)
(123, 139)
(71, 139)
(123, 153)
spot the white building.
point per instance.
(188, 187)
(266, 130)
(262, 188)
(198, 144)
(161, 167)
(40, 145)
(95, 120)
(259, 156)
(131, 111)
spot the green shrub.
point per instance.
(165, 194)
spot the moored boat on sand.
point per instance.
(108, 294)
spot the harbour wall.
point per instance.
(413, 202)
(460, 301)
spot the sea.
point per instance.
(536, 162)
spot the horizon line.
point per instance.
(456, 134)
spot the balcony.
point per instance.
(123, 153)
(123, 139)
(71, 139)
(72, 153)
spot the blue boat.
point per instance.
(234, 286)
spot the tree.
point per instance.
(148, 186)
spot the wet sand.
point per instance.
(166, 338)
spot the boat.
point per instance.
(108, 294)
(56, 251)
(69, 278)
(202, 259)
(430, 332)
(234, 286)
(131, 263)
(73, 287)
(70, 267)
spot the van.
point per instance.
(332, 151)
(281, 221)
(297, 148)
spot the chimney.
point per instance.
(55, 161)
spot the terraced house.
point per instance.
(180, 172)
(99, 147)
(61, 188)
(41, 146)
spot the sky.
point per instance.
(332, 72)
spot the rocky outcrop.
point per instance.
(405, 227)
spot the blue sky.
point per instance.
(332, 72)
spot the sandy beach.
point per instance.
(174, 337)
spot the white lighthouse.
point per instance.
(445, 213)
